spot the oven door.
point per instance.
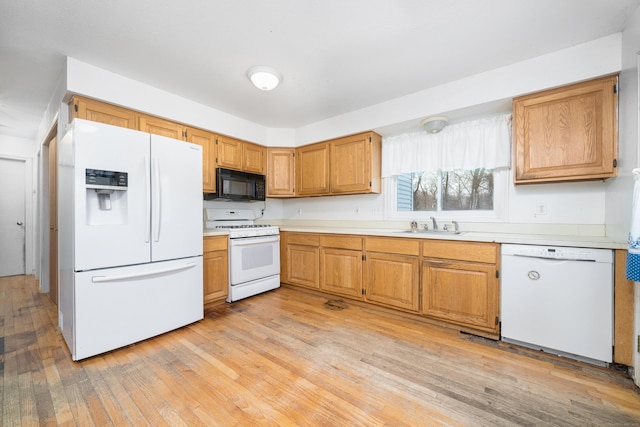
(252, 258)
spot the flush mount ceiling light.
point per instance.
(264, 78)
(434, 124)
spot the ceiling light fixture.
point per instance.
(434, 124)
(264, 78)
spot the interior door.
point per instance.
(176, 194)
(12, 217)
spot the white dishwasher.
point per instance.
(559, 300)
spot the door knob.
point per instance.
(20, 223)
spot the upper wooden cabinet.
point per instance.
(240, 155)
(207, 141)
(355, 164)
(158, 126)
(254, 158)
(280, 172)
(349, 165)
(96, 111)
(568, 133)
(312, 170)
(229, 152)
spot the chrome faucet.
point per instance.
(435, 225)
(456, 229)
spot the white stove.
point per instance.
(254, 251)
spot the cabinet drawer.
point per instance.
(463, 251)
(217, 243)
(342, 242)
(393, 246)
(310, 239)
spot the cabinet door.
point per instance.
(341, 271)
(253, 158)
(229, 152)
(280, 172)
(216, 275)
(352, 163)
(207, 141)
(312, 170)
(162, 127)
(393, 280)
(461, 292)
(302, 265)
(567, 134)
(101, 112)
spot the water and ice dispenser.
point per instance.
(106, 196)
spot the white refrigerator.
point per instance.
(130, 236)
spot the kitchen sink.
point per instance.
(431, 232)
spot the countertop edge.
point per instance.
(601, 242)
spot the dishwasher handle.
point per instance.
(552, 258)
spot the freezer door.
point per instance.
(120, 306)
(114, 233)
(176, 194)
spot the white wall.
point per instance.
(567, 203)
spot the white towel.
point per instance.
(633, 256)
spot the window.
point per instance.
(458, 190)
(461, 173)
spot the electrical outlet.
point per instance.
(541, 209)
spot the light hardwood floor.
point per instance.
(286, 358)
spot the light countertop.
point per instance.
(525, 239)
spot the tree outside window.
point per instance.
(459, 190)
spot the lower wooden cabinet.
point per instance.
(216, 269)
(448, 282)
(461, 292)
(303, 258)
(460, 283)
(341, 265)
(393, 280)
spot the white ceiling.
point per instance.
(335, 56)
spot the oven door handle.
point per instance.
(246, 241)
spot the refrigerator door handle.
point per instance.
(103, 279)
(147, 201)
(157, 215)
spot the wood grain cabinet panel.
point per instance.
(216, 269)
(393, 280)
(280, 172)
(355, 164)
(229, 152)
(207, 141)
(568, 133)
(464, 293)
(312, 170)
(254, 158)
(158, 126)
(101, 112)
(341, 271)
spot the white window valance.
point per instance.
(483, 143)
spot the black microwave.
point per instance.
(238, 186)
